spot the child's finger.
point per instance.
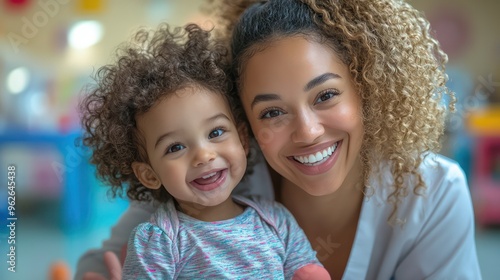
(114, 266)
(93, 276)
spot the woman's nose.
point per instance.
(307, 127)
(203, 155)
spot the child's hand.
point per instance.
(312, 272)
(114, 268)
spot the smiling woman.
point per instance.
(338, 95)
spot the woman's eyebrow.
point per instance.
(264, 97)
(320, 79)
(311, 84)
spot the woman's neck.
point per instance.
(339, 209)
(335, 211)
(329, 222)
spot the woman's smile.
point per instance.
(317, 157)
(319, 162)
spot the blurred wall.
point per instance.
(34, 34)
(470, 30)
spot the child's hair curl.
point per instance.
(151, 66)
(397, 67)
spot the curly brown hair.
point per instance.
(152, 65)
(396, 65)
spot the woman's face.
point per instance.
(305, 113)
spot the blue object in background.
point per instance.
(73, 172)
(55, 223)
(459, 142)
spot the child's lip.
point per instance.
(211, 186)
(200, 176)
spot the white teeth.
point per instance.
(318, 156)
(312, 158)
(209, 175)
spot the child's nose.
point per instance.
(203, 155)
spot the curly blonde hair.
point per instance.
(153, 65)
(396, 65)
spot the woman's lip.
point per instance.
(214, 185)
(315, 149)
(320, 168)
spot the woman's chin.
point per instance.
(314, 190)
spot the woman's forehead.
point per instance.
(291, 57)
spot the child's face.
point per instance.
(193, 147)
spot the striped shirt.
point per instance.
(264, 242)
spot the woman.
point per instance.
(344, 99)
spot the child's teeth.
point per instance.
(209, 175)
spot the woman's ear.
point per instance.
(244, 137)
(146, 175)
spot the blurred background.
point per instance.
(50, 48)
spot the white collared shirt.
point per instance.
(434, 236)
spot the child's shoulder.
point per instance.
(164, 220)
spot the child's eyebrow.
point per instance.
(217, 116)
(209, 120)
(163, 136)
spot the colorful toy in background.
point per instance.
(59, 271)
(90, 6)
(16, 4)
(485, 126)
(458, 139)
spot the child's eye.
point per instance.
(216, 133)
(271, 113)
(175, 148)
(326, 95)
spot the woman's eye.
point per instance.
(216, 133)
(273, 113)
(175, 148)
(325, 96)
